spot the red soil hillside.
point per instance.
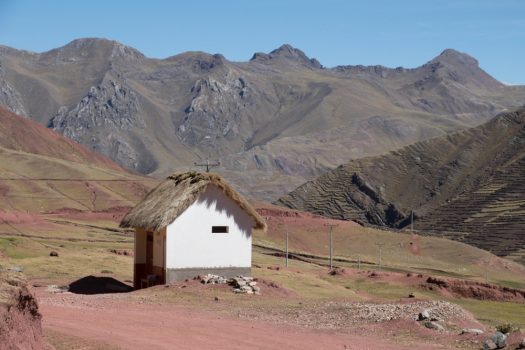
(20, 134)
(42, 171)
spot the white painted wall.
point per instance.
(190, 243)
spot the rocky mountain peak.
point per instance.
(459, 67)
(92, 48)
(289, 53)
(454, 57)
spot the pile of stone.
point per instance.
(245, 285)
(213, 279)
(241, 284)
(372, 312)
(430, 322)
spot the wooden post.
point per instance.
(331, 226)
(287, 249)
(380, 245)
(331, 249)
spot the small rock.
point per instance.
(16, 269)
(53, 253)
(475, 331)
(489, 345)
(256, 289)
(423, 315)
(411, 295)
(216, 299)
(522, 344)
(434, 325)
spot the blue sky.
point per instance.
(392, 33)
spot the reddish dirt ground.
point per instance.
(19, 217)
(130, 325)
(112, 214)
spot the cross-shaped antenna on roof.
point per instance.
(208, 165)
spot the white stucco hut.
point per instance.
(191, 224)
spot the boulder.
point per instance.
(434, 325)
(500, 340)
(424, 315)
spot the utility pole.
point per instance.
(286, 249)
(207, 165)
(412, 220)
(380, 245)
(487, 263)
(331, 226)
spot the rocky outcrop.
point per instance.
(216, 111)
(20, 320)
(9, 97)
(111, 105)
(107, 120)
(288, 53)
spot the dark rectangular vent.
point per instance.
(219, 229)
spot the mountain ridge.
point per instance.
(278, 117)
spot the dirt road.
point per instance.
(143, 326)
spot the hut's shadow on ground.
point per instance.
(98, 285)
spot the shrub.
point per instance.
(506, 328)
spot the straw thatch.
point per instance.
(174, 195)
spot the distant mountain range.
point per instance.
(467, 186)
(273, 122)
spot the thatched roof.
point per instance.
(174, 195)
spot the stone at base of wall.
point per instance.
(174, 275)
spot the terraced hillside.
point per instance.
(468, 186)
(491, 217)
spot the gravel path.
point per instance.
(117, 321)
